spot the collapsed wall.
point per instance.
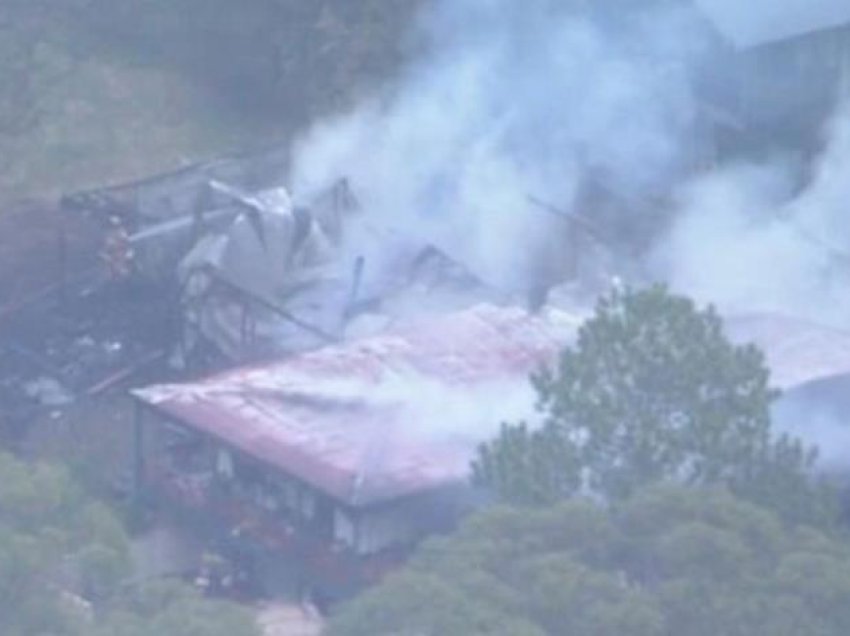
(255, 274)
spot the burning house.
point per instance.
(381, 357)
(333, 463)
(376, 369)
(338, 460)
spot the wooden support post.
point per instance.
(138, 456)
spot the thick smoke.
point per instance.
(515, 100)
(529, 98)
(538, 99)
(747, 237)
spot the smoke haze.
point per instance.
(519, 99)
(515, 99)
(748, 238)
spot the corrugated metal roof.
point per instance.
(383, 417)
(750, 23)
(798, 351)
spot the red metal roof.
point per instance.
(382, 417)
(797, 351)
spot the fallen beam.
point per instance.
(275, 308)
(124, 374)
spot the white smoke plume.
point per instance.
(532, 98)
(749, 238)
(515, 99)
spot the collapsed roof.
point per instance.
(298, 278)
(382, 417)
(259, 275)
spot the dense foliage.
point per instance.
(260, 54)
(670, 561)
(65, 569)
(99, 91)
(665, 424)
(652, 391)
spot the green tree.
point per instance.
(65, 566)
(651, 392)
(48, 530)
(172, 609)
(671, 560)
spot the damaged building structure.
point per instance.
(351, 401)
(357, 358)
(255, 275)
(334, 463)
(354, 366)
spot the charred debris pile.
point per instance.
(215, 265)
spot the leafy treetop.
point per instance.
(671, 560)
(652, 391)
(65, 568)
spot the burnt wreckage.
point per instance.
(313, 453)
(112, 313)
(252, 274)
(332, 464)
(359, 358)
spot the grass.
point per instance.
(139, 88)
(103, 120)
